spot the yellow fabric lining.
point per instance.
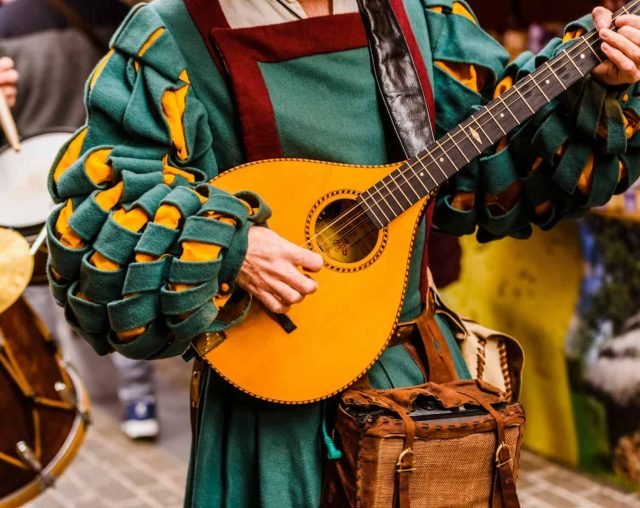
(71, 155)
(505, 84)
(109, 198)
(66, 235)
(170, 170)
(174, 103)
(97, 168)
(459, 9)
(99, 68)
(133, 220)
(586, 177)
(465, 73)
(464, 201)
(469, 75)
(149, 42)
(569, 36)
(184, 76)
(632, 123)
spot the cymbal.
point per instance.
(16, 267)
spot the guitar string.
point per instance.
(439, 145)
(570, 52)
(585, 40)
(451, 138)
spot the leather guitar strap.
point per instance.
(403, 83)
(397, 77)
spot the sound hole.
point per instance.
(344, 232)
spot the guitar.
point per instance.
(363, 221)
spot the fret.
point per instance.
(517, 89)
(371, 214)
(507, 108)
(400, 187)
(595, 53)
(439, 145)
(574, 63)
(535, 82)
(475, 119)
(488, 108)
(482, 129)
(446, 175)
(377, 203)
(420, 175)
(391, 193)
(556, 76)
(472, 135)
(464, 155)
(408, 166)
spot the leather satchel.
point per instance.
(445, 443)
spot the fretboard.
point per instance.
(423, 174)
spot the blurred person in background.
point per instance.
(53, 45)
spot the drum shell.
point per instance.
(54, 431)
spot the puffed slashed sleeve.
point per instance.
(574, 154)
(143, 251)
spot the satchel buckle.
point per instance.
(400, 466)
(499, 463)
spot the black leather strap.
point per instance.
(397, 77)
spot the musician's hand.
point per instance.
(270, 270)
(622, 48)
(9, 80)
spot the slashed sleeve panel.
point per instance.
(143, 251)
(574, 154)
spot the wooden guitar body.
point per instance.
(343, 328)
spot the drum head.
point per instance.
(24, 198)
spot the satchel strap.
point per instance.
(406, 460)
(439, 359)
(504, 487)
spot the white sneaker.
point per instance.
(140, 420)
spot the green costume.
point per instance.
(163, 119)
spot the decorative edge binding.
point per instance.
(425, 202)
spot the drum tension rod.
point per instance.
(29, 458)
(68, 396)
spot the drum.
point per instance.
(24, 198)
(44, 408)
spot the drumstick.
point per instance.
(9, 124)
(42, 236)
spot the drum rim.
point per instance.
(67, 451)
(49, 130)
(34, 228)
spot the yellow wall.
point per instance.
(529, 289)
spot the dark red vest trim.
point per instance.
(243, 49)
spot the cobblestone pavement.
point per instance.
(110, 471)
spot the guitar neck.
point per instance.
(423, 174)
